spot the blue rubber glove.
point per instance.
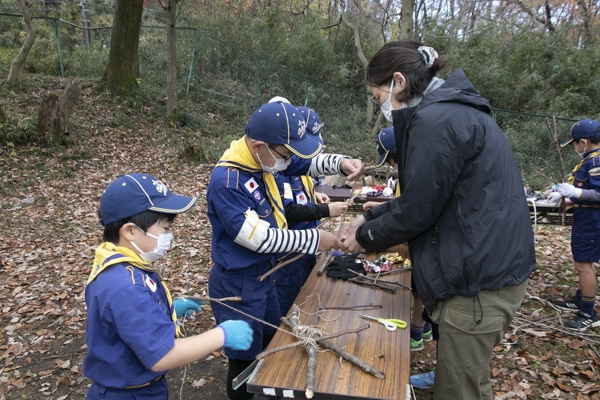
(186, 307)
(238, 334)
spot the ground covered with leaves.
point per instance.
(49, 229)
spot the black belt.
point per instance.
(145, 384)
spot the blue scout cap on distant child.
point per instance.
(385, 142)
(135, 193)
(586, 128)
(313, 123)
(281, 123)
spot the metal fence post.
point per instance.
(60, 63)
(191, 65)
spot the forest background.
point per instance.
(537, 62)
(531, 59)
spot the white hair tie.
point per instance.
(429, 55)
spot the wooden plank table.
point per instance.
(546, 213)
(284, 373)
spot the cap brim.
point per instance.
(305, 148)
(174, 204)
(566, 142)
(382, 159)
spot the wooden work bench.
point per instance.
(284, 373)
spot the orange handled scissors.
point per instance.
(390, 324)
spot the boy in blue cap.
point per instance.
(583, 191)
(131, 328)
(249, 223)
(420, 331)
(302, 211)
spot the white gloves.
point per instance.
(567, 190)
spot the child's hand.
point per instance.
(328, 241)
(322, 198)
(186, 307)
(336, 209)
(567, 190)
(238, 334)
(371, 204)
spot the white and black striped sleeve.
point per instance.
(283, 241)
(326, 164)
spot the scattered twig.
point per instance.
(318, 340)
(345, 355)
(365, 307)
(393, 271)
(237, 298)
(593, 349)
(322, 262)
(280, 265)
(359, 275)
(356, 280)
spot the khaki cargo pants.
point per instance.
(465, 346)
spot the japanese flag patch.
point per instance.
(150, 283)
(251, 185)
(301, 198)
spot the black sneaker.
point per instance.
(582, 321)
(567, 305)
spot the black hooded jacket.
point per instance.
(463, 209)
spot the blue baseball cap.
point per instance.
(385, 142)
(281, 123)
(313, 123)
(135, 193)
(583, 129)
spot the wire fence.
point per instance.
(233, 78)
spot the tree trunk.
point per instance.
(120, 76)
(406, 20)
(15, 67)
(171, 15)
(2, 115)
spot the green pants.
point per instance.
(465, 346)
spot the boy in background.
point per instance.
(420, 331)
(583, 190)
(131, 327)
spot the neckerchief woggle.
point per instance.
(238, 156)
(108, 254)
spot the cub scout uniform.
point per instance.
(129, 328)
(585, 240)
(249, 228)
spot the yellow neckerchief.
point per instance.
(398, 188)
(571, 179)
(238, 156)
(107, 249)
(309, 188)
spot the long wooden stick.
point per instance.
(345, 355)
(299, 343)
(237, 298)
(359, 275)
(279, 266)
(356, 280)
(311, 351)
(323, 261)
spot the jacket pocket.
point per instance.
(448, 252)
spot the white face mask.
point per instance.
(386, 107)
(163, 243)
(280, 163)
(584, 149)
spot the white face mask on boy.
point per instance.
(163, 243)
(280, 163)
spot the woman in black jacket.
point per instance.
(462, 211)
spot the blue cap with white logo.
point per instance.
(281, 123)
(132, 194)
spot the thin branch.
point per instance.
(359, 275)
(355, 280)
(211, 299)
(301, 343)
(279, 266)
